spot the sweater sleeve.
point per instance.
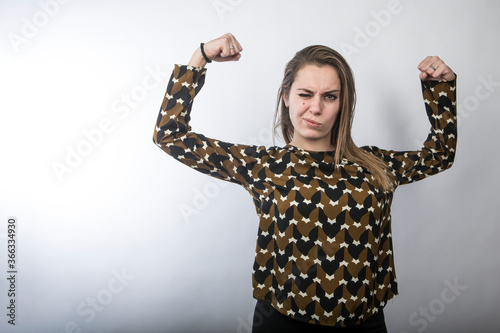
(231, 162)
(438, 151)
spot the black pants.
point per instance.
(267, 320)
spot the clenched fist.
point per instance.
(434, 69)
(224, 48)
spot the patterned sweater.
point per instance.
(324, 247)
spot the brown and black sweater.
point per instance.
(324, 246)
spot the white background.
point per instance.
(184, 242)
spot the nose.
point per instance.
(315, 105)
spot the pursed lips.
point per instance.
(311, 122)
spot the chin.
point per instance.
(314, 137)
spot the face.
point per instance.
(313, 102)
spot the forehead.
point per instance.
(316, 77)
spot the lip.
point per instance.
(311, 123)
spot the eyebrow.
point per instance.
(326, 92)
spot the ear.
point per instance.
(285, 99)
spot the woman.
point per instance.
(323, 259)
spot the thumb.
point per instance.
(234, 57)
(423, 75)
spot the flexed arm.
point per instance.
(223, 160)
(438, 83)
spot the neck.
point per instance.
(313, 146)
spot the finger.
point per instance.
(430, 64)
(438, 67)
(432, 67)
(232, 50)
(435, 68)
(424, 64)
(237, 45)
(228, 48)
(235, 57)
(429, 73)
(427, 70)
(234, 46)
(438, 74)
(230, 45)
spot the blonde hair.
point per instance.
(341, 131)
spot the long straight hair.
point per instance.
(341, 131)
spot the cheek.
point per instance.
(333, 115)
(297, 108)
(294, 113)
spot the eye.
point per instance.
(331, 97)
(304, 95)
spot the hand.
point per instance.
(434, 69)
(224, 48)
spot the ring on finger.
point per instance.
(231, 47)
(433, 68)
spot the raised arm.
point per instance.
(438, 83)
(173, 133)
